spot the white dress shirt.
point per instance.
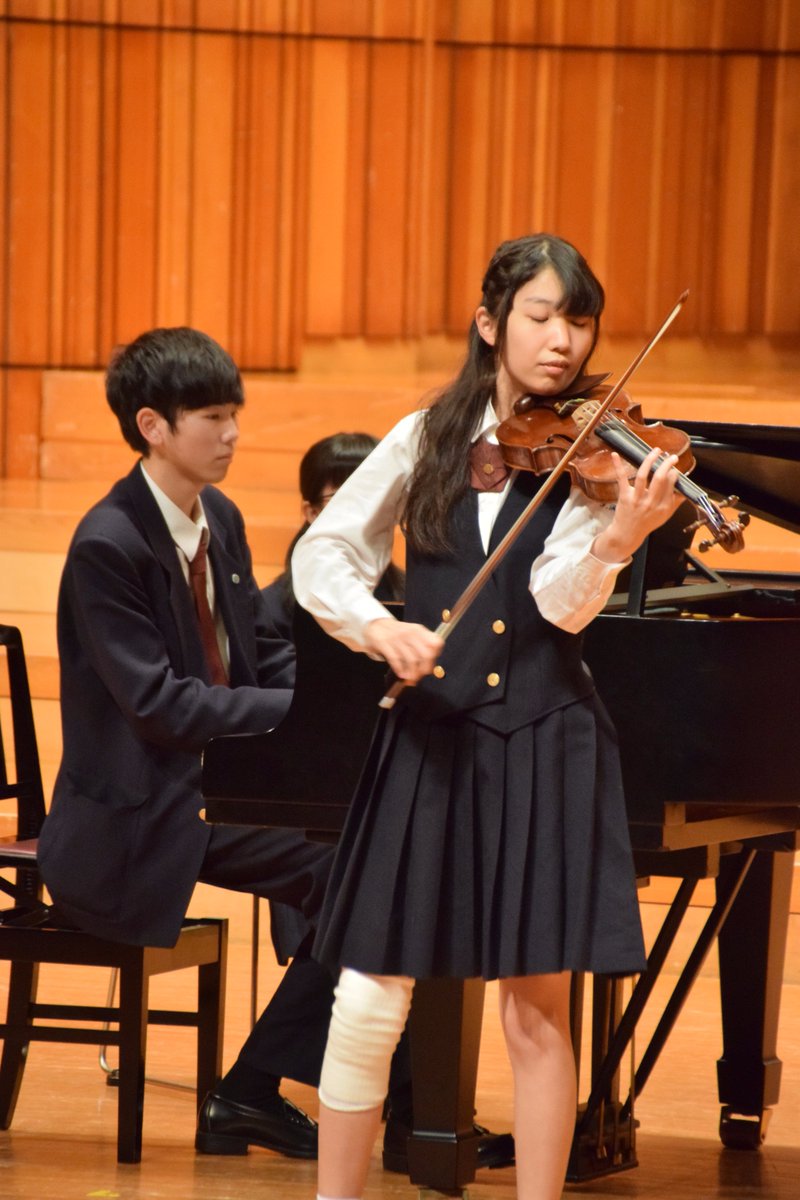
(186, 533)
(339, 560)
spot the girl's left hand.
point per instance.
(644, 504)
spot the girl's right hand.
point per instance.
(410, 650)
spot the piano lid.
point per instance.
(757, 463)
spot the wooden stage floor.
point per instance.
(62, 1141)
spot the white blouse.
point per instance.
(337, 563)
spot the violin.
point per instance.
(541, 431)
(561, 437)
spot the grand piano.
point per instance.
(696, 668)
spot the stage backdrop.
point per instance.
(282, 171)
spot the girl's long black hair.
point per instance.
(441, 475)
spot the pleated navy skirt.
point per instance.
(470, 853)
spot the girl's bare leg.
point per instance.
(534, 1011)
(345, 1145)
(367, 1019)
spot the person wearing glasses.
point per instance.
(323, 469)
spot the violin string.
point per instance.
(711, 515)
(687, 486)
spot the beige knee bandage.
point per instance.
(368, 1017)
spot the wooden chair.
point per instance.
(30, 934)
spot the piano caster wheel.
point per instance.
(739, 1132)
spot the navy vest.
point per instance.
(504, 665)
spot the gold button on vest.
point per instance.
(493, 679)
(438, 671)
(499, 626)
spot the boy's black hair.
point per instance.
(169, 370)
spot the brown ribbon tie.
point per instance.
(488, 472)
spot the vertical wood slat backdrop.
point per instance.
(276, 171)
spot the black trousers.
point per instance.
(288, 1039)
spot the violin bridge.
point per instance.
(584, 412)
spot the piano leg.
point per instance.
(445, 1028)
(752, 945)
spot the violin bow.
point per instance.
(501, 549)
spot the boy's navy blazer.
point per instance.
(123, 844)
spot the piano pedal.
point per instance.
(743, 1131)
(607, 1146)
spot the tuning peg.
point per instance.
(742, 517)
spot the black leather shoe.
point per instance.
(225, 1127)
(494, 1149)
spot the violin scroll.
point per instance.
(729, 534)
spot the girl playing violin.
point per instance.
(490, 838)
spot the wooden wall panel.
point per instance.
(366, 18)
(58, 84)
(220, 14)
(179, 12)
(470, 179)
(681, 241)
(29, 194)
(290, 233)
(369, 152)
(111, 45)
(534, 144)
(636, 183)
(80, 152)
(389, 168)
(354, 198)
(134, 262)
(146, 13)
(176, 86)
(589, 174)
(672, 24)
(739, 81)
(212, 156)
(420, 150)
(256, 211)
(776, 236)
(629, 24)
(433, 297)
(283, 171)
(332, 150)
